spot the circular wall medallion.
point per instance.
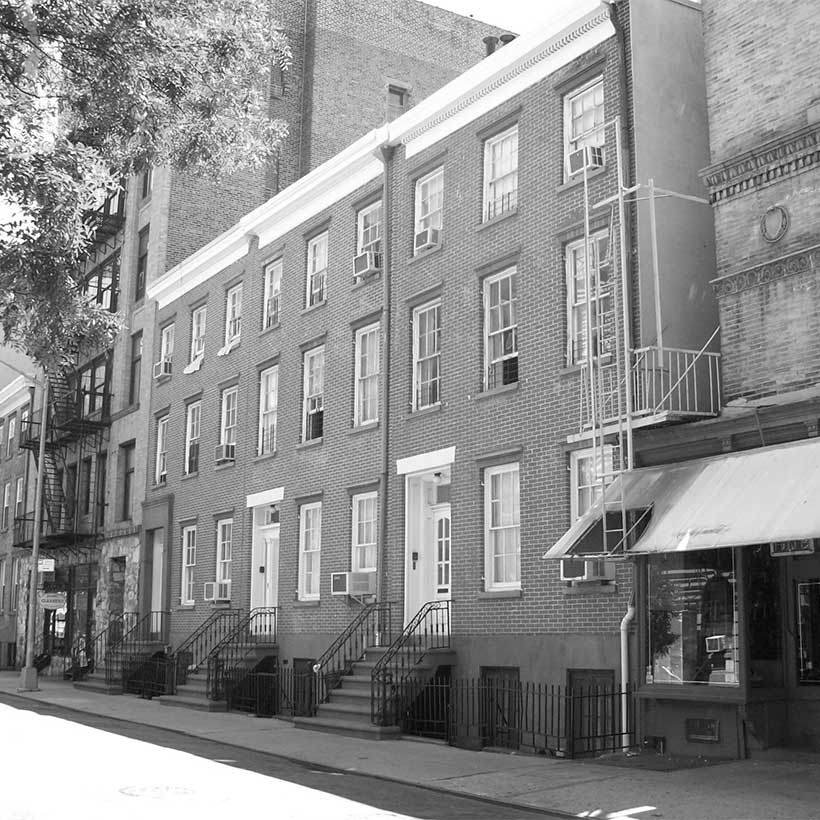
(774, 223)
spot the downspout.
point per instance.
(386, 155)
(625, 623)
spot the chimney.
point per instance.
(506, 38)
(490, 43)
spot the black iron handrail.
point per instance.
(145, 635)
(371, 627)
(193, 652)
(258, 627)
(89, 654)
(429, 629)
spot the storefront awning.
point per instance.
(752, 497)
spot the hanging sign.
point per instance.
(804, 546)
(53, 600)
(45, 565)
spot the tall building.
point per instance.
(355, 66)
(411, 378)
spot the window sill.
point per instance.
(186, 607)
(186, 476)
(578, 179)
(226, 466)
(165, 377)
(728, 693)
(497, 218)
(423, 412)
(364, 428)
(268, 330)
(312, 604)
(229, 346)
(126, 411)
(425, 253)
(491, 594)
(193, 366)
(364, 281)
(159, 485)
(264, 456)
(314, 442)
(496, 391)
(589, 588)
(311, 308)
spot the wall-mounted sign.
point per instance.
(52, 600)
(804, 546)
(45, 565)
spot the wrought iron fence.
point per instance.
(147, 676)
(141, 640)
(268, 692)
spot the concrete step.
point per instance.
(350, 697)
(201, 704)
(342, 711)
(349, 728)
(96, 683)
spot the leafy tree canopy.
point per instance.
(92, 91)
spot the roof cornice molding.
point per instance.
(765, 164)
(15, 394)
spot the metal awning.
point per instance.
(752, 497)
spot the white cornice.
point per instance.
(14, 395)
(497, 78)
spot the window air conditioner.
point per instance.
(366, 263)
(580, 569)
(224, 453)
(162, 368)
(428, 238)
(353, 583)
(217, 591)
(589, 157)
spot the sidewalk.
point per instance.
(781, 787)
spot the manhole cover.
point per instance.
(157, 792)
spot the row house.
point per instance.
(727, 581)
(396, 383)
(97, 430)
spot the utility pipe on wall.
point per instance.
(625, 623)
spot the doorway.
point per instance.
(265, 563)
(501, 706)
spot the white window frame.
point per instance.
(429, 201)
(510, 521)
(506, 329)
(12, 430)
(193, 422)
(272, 293)
(6, 504)
(316, 279)
(501, 173)
(426, 353)
(15, 584)
(161, 464)
(582, 497)
(24, 416)
(313, 401)
(224, 550)
(268, 408)
(369, 228)
(602, 298)
(591, 134)
(364, 535)
(199, 319)
(188, 565)
(19, 493)
(310, 551)
(366, 375)
(229, 415)
(166, 342)
(233, 315)
(2, 584)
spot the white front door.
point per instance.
(265, 571)
(157, 597)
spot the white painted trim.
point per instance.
(426, 461)
(265, 497)
(15, 394)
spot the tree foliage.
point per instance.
(91, 92)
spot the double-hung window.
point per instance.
(24, 424)
(583, 119)
(501, 173)
(188, 564)
(19, 497)
(365, 524)
(429, 202)
(224, 558)
(161, 466)
(426, 355)
(590, 297)
(136, 367)
(233, 316)
(313, 392)
(268, 399)
(272, 294)
(500, 329)
(227, 427)
(198, 322)
(316, 269)
(502, 563)
(368, 239)
(142, 264)
(6, 504)
(366, 404)
(12, 431)
(166, 351)
(310, 550)
(192, 420)
(585, 490)
(2, 584)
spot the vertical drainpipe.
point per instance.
(386, 155)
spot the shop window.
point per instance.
(692, 618)
(763, 606)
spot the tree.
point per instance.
(91, 92)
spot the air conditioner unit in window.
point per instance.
(589, 157)
(353, 583)
(428, 238)
(162, 368)
(366, 264)
(224, 453)
(217, 591)
(580, 569)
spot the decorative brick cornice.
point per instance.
(769, 162)
(803, 261)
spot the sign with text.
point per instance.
(804, 546)
(45, 565)
(52, 600)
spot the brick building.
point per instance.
(727, 588)
(395, 389)
(390, 55)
